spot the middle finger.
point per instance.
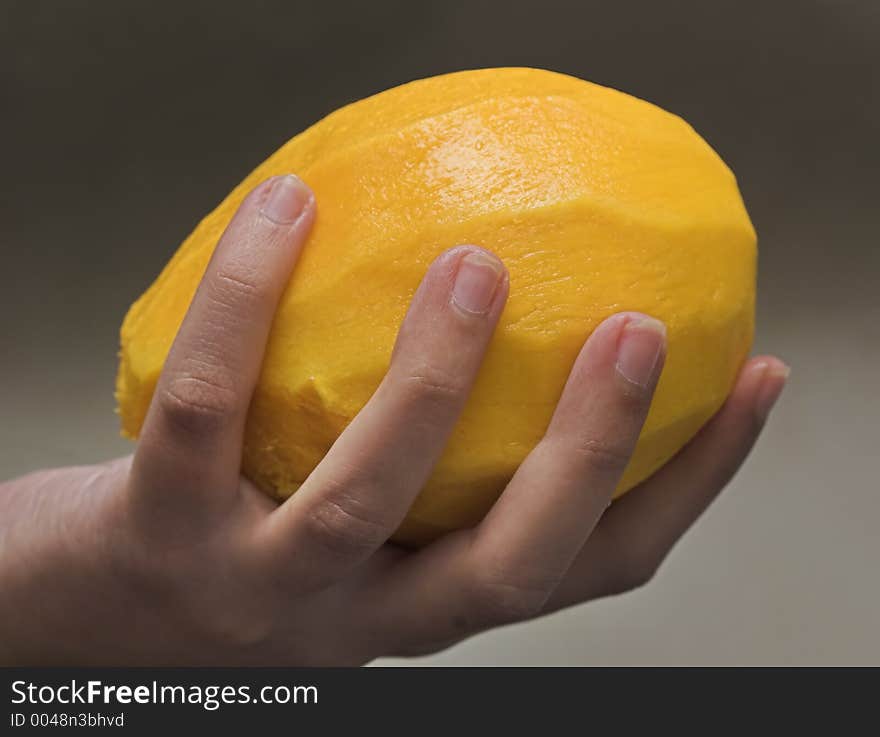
(360, 492)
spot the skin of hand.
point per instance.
(171, 557)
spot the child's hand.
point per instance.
(170, 557)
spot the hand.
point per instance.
(170, 557)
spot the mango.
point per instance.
(596, 201)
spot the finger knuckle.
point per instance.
(499, 597)
(427, 384)
(238, 292)
(601, 454)
(196, 404)
(345, 528)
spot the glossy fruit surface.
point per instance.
(596, 201)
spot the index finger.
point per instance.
(191, 443)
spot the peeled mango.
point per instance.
(596, 201)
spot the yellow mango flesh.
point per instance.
(596, 201)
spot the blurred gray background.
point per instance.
(124, 123)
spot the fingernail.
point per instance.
(287, 198)
(640, 348)
(772, 384)
(476, 281)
